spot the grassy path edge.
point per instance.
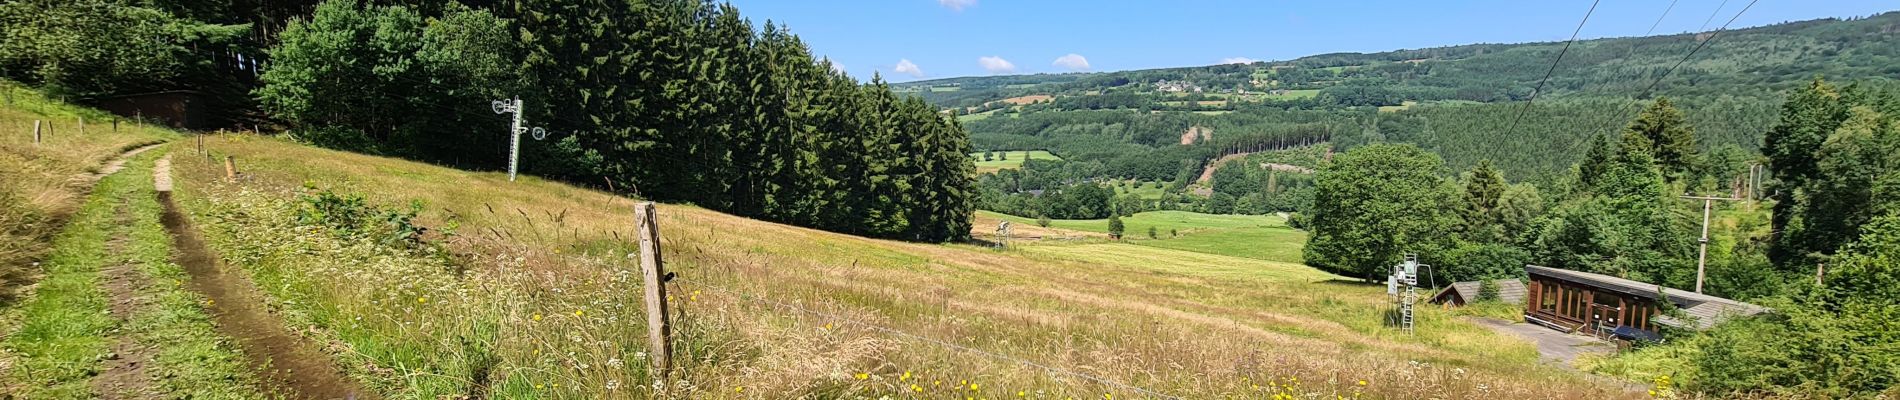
(66, 330)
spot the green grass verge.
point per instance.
(66, 331)
(63, 330)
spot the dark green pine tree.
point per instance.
(1857, 178)
(729, 139)
(1483, 191)
(1807, 118)
(1671, 138)
(1596, 161)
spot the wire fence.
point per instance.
(767, 302)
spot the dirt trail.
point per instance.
(118, 163)
(125, 375)
(287, 364)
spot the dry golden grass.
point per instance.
(41, 184)
(542, 282)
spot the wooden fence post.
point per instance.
(659, 330)
(230, 168)
(82, 126)
(36, 132)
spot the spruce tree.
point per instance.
(1807, 118)
(1671, 139)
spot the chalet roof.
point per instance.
(1509, 291)
(1707, 310)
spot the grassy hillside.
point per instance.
(536, 293)
(41, 184)
(98, 309)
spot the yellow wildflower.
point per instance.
(578, 313)
(422, 300)
(905, 377)
(740, 389)
(915, 388)
(1020, 393)
(1362, 382)
(863, 376)
(974, 387)
(537, 317)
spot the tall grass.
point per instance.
(536, 288)
(40, 184)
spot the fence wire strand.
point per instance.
(894, 332)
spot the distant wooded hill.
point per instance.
(1459, 101)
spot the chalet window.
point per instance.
(1549, 300)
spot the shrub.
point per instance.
(1152, 233)
(1115, 227)
(350, 216)
(1042, 221)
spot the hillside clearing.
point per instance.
(1258, 237)
(1015, 160)
(1106, 312)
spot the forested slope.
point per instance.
(1462, 102)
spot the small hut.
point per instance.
(1510, 291)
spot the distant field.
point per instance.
(1401, 107)
(977, 116)
(1246, 236)
(1144, 189)
(1030, 99)
(1295, 94)
(1015, 160)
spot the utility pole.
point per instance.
(514, 132)
(1702, 258)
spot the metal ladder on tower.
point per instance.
(1405, 308)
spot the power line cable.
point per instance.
(1553, 67)
(1712, 14)
(1647, 90)
(1659, 19)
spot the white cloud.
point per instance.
(1072, 62)
(996, 65)
(906, 67)
(837, 67)
(957, 5)
(1238, 60)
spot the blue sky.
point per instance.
(951, 38)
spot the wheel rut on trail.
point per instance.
(288, 364)
(125, 375)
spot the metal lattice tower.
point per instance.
(514, 141)
(1403, 286)
(1003, 231)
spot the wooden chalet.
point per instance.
(1570, 301)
